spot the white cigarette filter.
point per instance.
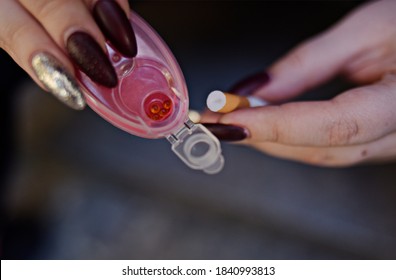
(222, 102)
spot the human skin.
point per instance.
(358, 125)
(49, 38)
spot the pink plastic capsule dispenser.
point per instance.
(151, 100)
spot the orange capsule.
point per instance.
(158, 106)
(154, 109)
(167, 104)
(163, 112)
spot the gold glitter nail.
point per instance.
(58, 80)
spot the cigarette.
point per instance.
(222, 102)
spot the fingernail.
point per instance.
(116, 27)
(225, 132)
(250, 84)
(58, 80)
(90, 58)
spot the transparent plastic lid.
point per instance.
(198, 148)
(151, 100)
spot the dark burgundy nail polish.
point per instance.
(90, 58)
(227, 132)
(250, 84)
(115, 26)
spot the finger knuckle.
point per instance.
(343, 128)
(342, 132)
(296, 58)
(46, 9)
(317, 159)
(278, 128)
(329, 158)
(275, 133)
(12, 34)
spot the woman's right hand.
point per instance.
(48, 38)
(356, 126)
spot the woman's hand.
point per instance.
(46, 37)
(358, 125)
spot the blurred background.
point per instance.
(75, 187)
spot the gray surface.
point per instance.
(93, 191)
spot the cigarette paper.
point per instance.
(194, 116)
(222, 102)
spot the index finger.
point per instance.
(356, 116)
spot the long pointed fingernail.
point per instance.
(225, 132)
(90, 58)
(58, 80)
(250, 84)
(115, 25)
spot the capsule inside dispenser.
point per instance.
(151, 100)
(158, 106)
